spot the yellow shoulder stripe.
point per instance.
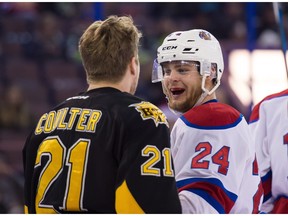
(125, 202)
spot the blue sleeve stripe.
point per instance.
(267, 176)
(213, 202)
(214, 181)
(251, 122)
(267, 197)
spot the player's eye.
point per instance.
(166, 71)
(182, 70)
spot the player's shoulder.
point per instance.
(212, 115)
(102, 97)
(265, 101)
(133, 108)
(122, 105)
(148, 111)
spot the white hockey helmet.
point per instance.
(193, 45)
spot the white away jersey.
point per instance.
(214, 158)
(269, 125)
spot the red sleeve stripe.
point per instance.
(255, 114)
(267, 184)
(212, 190)
(257, 199)
(280, 205)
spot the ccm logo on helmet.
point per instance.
(169, 48)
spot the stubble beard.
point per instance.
(178, 106)
(182, 106)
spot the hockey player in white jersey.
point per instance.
(269, 125)
(214, 156)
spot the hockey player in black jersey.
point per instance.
(105, 150)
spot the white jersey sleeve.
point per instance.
(269, 126)
(213, 157)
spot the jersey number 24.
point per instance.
(220, 157)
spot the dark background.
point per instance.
(40, 64)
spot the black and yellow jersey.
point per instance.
(104, 151)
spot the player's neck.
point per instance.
(209, 97)
(106, 84)
(122, 85)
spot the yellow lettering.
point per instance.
(62, 124)
(87, 121)
(92, 122)
(82, 119)
(48, 127)
(57, 119)
(74, 112)
(39, 128)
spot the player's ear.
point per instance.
(133, 65)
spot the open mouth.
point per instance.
(177, 91)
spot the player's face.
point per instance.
(181, 84)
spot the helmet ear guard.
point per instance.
(157, 73)
(205, 68)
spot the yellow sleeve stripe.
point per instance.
(125, 202)
(26, 210)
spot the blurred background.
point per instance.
(40, 64)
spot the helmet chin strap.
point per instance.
(205, 91)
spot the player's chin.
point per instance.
(176, 105)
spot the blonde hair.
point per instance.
(107, 47)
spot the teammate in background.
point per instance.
(269, 125)
(214, 156)
(104, 151)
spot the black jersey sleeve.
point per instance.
(146, 174)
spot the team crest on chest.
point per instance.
(150, 111)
